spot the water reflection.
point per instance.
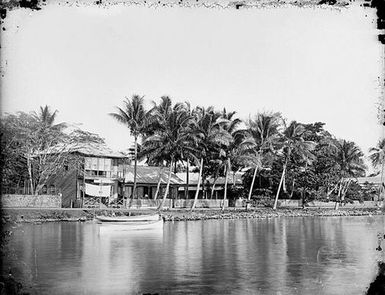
(272, 256)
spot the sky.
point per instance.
(310, 64)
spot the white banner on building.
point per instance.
(98, 190)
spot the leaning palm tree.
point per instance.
(377, 157)
(293, 142)
(209, 129)
(134, 116)
(349, 161)
(170, 141)
(264, 135)
(233, 149)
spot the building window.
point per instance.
(52, 189)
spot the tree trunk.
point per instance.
(134, 194)
(333, 189)
(279, 188)
(167, 187)
(337, 205)
(382, 180)
(213, 187)
(284, 184)
(292, 188)
(186, 193)
(29, 164)
(226, 180)
(252, 183)
(198, 186)
(158, 185)
(344, 190)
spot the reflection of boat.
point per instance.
(127, 219)
(131, 226)
(129, 223)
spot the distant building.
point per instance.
(147, 180)
(232, 180)
(373, 182)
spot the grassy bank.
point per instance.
(46, 215)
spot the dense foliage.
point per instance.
(279, 159)
(34, 148)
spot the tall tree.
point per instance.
(348, 158)
(171, 140)
(377, 157)
(36, 148)
(134, 116)
(294, 143)
(212, 135)
(263, 131)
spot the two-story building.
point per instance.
(92, 177)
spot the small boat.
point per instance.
(128, 219)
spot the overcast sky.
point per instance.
(310, 64)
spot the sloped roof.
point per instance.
(150, 175)
(97, 150)
(193, 178)
(89, 149)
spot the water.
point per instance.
(330, 255)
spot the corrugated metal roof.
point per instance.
(97, 150)
(193, 178)
(150, 175)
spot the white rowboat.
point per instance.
(127, 219)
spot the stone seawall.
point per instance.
(64, 214)
(31, 201)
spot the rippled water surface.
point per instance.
(332, 255)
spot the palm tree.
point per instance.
(293, 142)
(212, 135)
(349, 161)
(263, 131)
(171, 140)
(231, 150)
(134, 116)
(377, 157)
(46, 119)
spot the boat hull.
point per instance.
(127, 219)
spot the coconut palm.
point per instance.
(229, 152)
(349, 161)
(134, 116)
(264, 134)
(377, 157)
(294, 143)
(212, 136)
(170, 141)
(46, 119)
(377, 154)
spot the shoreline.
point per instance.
(33, 215)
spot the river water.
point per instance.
(290, 255)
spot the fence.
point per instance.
(31, 201)
(26, 190)
(201, 203)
